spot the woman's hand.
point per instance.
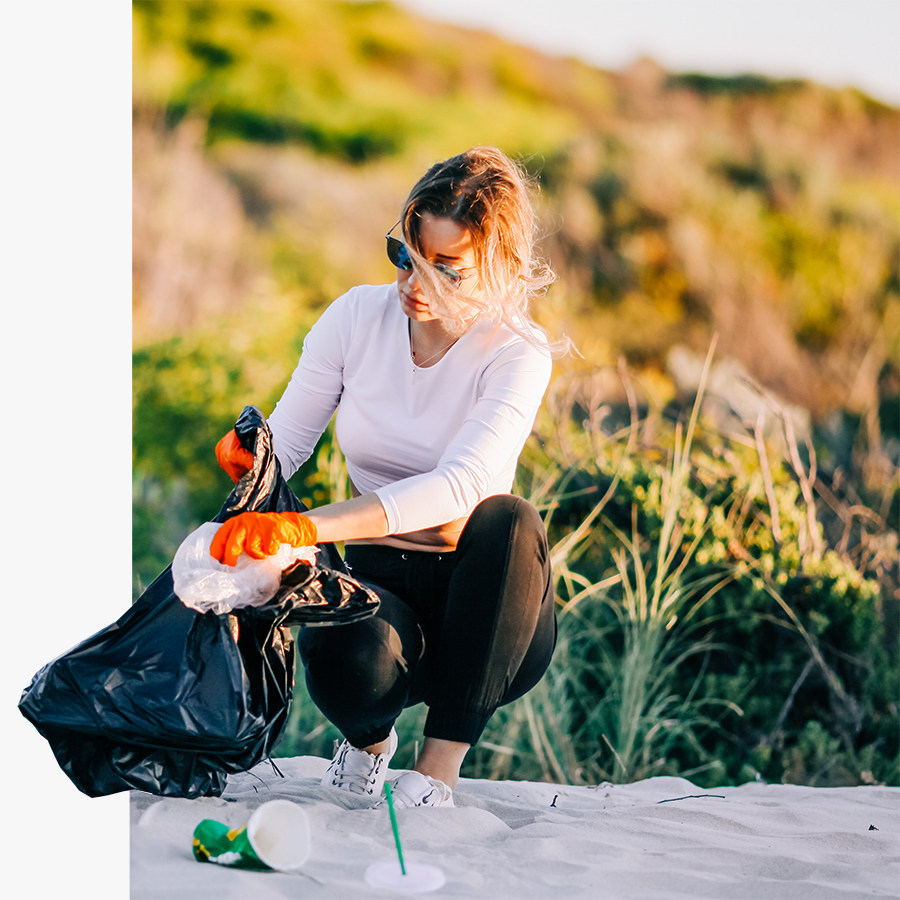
(232, 457)
(260, 534)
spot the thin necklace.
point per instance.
(412, 352)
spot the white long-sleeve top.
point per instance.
(430, 443)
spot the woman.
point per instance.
(436, 379)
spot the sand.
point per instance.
(663, 837)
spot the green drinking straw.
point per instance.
(390, 800)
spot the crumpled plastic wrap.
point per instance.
(169, 700)
(207, 585)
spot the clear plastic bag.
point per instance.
(205, 584)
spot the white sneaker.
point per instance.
(357, 771)
(414, 789)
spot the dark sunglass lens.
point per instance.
(397, 254)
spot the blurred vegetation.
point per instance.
(273, 146)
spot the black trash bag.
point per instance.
(169, 700)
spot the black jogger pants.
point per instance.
(465, 631)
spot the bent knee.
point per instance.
(349, 652)
(508, 514)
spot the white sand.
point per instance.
(524, 840)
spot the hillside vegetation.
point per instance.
(747, 566)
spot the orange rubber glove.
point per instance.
(232, 457)
(260, 534)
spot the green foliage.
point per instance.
(184, 401)
(694, 641)
(336, 77)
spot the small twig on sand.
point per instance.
(692, 797)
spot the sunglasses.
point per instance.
(399, 256)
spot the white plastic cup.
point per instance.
(279, 833)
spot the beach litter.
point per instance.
(276, 838)
(401, 876)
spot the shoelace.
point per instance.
(356, 769)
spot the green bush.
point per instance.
(692, 641)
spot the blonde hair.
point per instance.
(484, 191)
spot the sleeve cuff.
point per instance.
(390, 508)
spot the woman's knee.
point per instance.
(348, 658)
(506, 516)
(357, 676)
(503, 564)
